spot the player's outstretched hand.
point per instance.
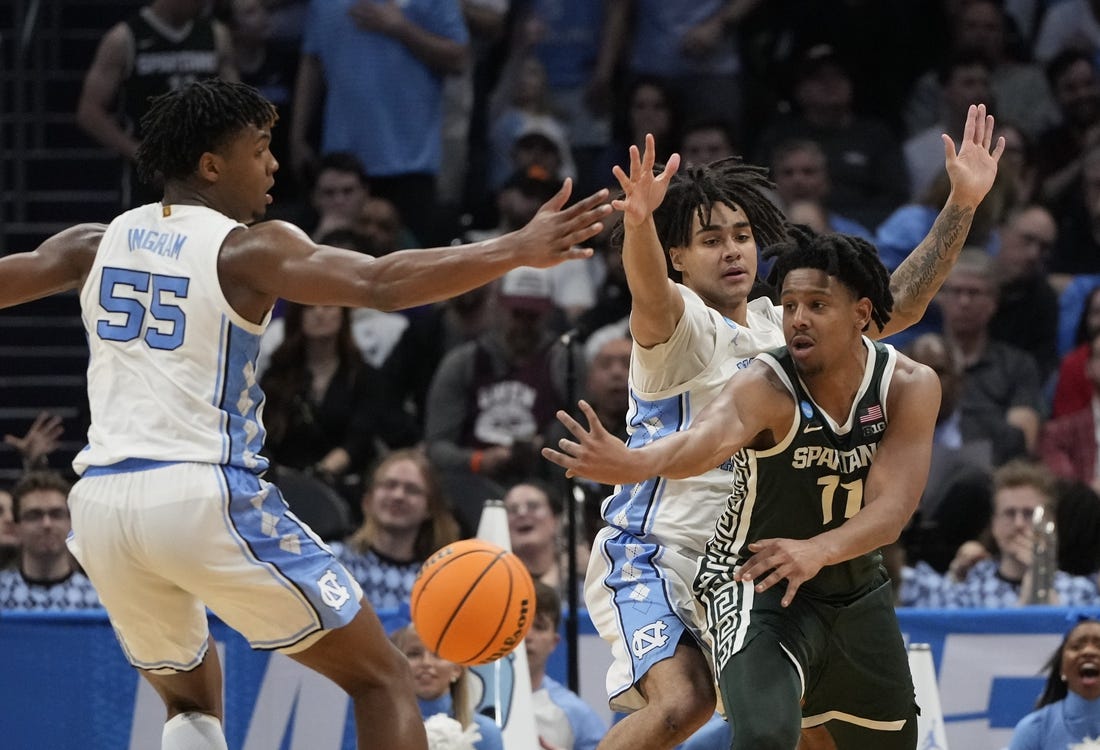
(973, 168)
(643, 190)
(796, 560)
(556, 232)
(596, 454)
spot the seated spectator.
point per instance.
(536, 534)
(493, 400)
(1004, 579)
(1067, 714)
(1067, 444)
(405, 519)
(47, 577)
(322, 413)
(800, 171)
(1027, 305)
(339, 190)
(9, 537)
(1073, 390)
(563, 720)
(957, 499)
(442, 687)
(1077, 251)
(704, 141)
(1001, 389)
(866, 165)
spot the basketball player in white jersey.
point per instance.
(171, 515)
(689, 339)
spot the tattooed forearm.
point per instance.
(919, 277)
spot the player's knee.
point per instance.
(684, 711)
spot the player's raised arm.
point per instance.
(644, 261)
(748, 405)
(971, 171)
(279, 260)
(59, 264)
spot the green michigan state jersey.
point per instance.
(808, 483)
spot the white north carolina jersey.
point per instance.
(669, 384)
(171, 374)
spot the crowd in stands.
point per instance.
(429, 121)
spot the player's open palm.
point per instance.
(974, 167)
(643, 190)
(596, 454)
(773, 560)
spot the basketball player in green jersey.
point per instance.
(831, 437)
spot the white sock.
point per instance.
(193, 731)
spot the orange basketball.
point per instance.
(473, 602)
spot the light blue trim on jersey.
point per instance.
(649, 626)
(272, 537)
(127, 466)
(241, 400)
(634, 507)
(219, 384)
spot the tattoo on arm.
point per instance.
(920, 275)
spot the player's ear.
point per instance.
(210, 166)
(863, 313)
(675, 256)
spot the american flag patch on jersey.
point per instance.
(871, 414)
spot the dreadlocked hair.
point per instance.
(203, 116)
(851, 260)
(695, 190)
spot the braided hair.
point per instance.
(181, 125)
(852, 260)
(695, 190)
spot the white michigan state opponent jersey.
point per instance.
(171, 374)
(669, 384)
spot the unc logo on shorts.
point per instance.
(648, 637)
(333, 593)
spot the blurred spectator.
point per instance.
(565, 36)
(165, 45)
(9, 536)
(704, 141)
(865, 161)
(1068, 25)
(801, 174)
(693, 46)
(563, 720)
(535, 529)
(1004, 579)
(322, 411)
(1019, 87)
(518, 200)
(405, 519)
(649, 108)
(492, 400)
(1074, 390)
(1060, 151)
(340, 188)
(957, 500)
(380, 222)
(1068, 443)
(442, 687)
(1001, 389)
(520, 107)
(1018, 162)
(1027, 305)
(382, 64)
(1077, 519)
(1077, 250)
(612, 293)
(270, 66)
(963, 81)
(47, 578)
